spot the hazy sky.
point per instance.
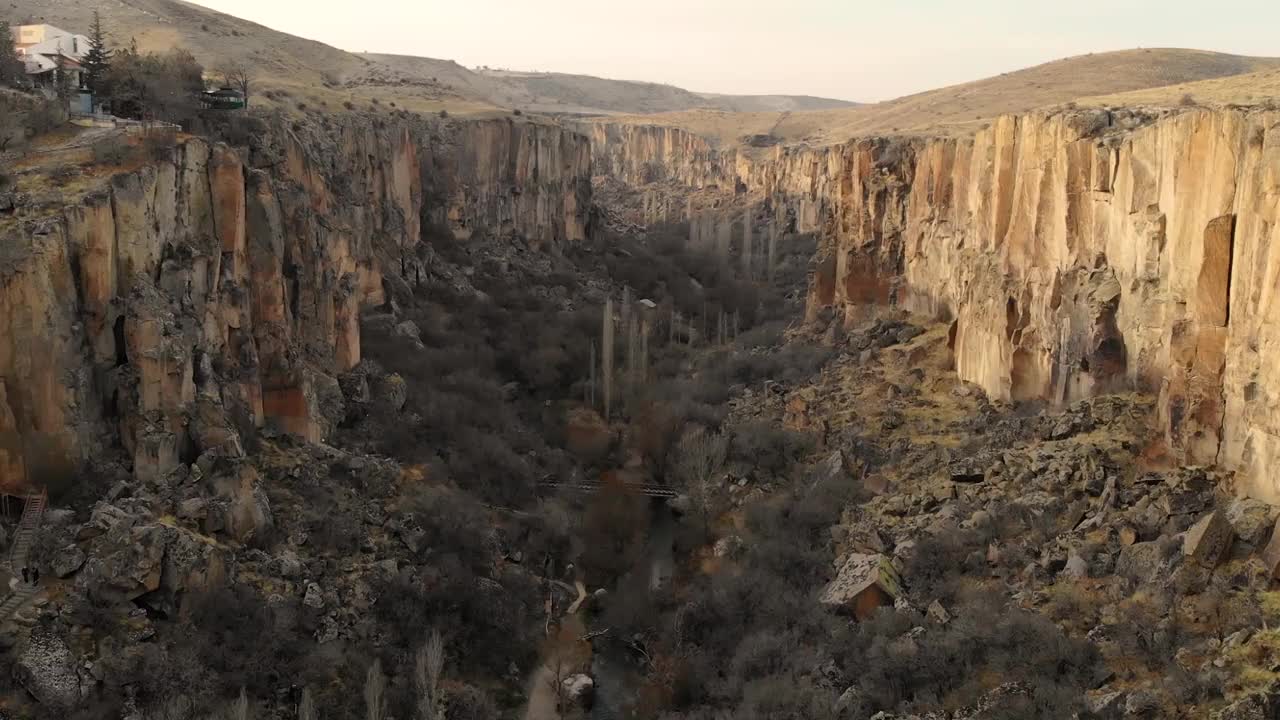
(846, 49)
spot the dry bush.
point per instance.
(113, 151)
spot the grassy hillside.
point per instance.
(314, 73)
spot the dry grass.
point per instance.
(1257, 88)
(962, 108)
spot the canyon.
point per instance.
(310, 379)
(1075, 252)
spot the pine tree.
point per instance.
(97, 61)
(12, 71)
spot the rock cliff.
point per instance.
(209, 290)
(1077, 252)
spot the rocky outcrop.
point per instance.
(1077, 252)
(180, 304)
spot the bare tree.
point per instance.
(773, 247)
(375, 691)
(428, 669)
(238, 76)
(606, 351)
(239, 708)
(701, 455)
(307, 706)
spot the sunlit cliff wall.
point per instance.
(1076, 252)
(181, 303)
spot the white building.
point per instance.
(44, 49)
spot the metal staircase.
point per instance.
(24, 536)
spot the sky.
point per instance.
(846, 49)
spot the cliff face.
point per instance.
(1077, 253)
(185, 302)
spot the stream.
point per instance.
(613, 669)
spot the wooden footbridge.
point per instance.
(590, 488)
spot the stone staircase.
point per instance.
(16, 600)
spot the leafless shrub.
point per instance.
(114, 151)
(375, 692)
(701, 454)
(307, 706)
(1187, 100)
(428, 669)
(239, 708)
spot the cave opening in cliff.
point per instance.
(12, 506)
(122, 352)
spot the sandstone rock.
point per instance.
(849, 700)
(193, 509)
(1251, 520)
(728, 547)
(289, 565)
(1140, 702)
(67, 561)
(937, 613)
(1259, 705)
(1105, 704)
(313, 598)
(391, 392)
(408, 330)
(1144, 562)
(579, 689)
(1076, 567)
(47, 670)
(833, 469)
(1207, 542)
(1271, 554)
(864, 583)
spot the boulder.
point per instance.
(1207, 542)
(125, 563)
(1144, 562)
(1260, 705)
(1251, 520)
(1105, 703)
(1076, 567)
(47, 670)
(391, 392)
(313, 598)
(67, 561)
(408, 330)
(938, 613)
(1271, 554)
(579, 689)
(728, 547)
(833, 469)
(864, 584)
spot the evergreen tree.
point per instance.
(12, 71)
(97, 61)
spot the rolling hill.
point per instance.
(1097, 78)
(310, 71)
(585, 94)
